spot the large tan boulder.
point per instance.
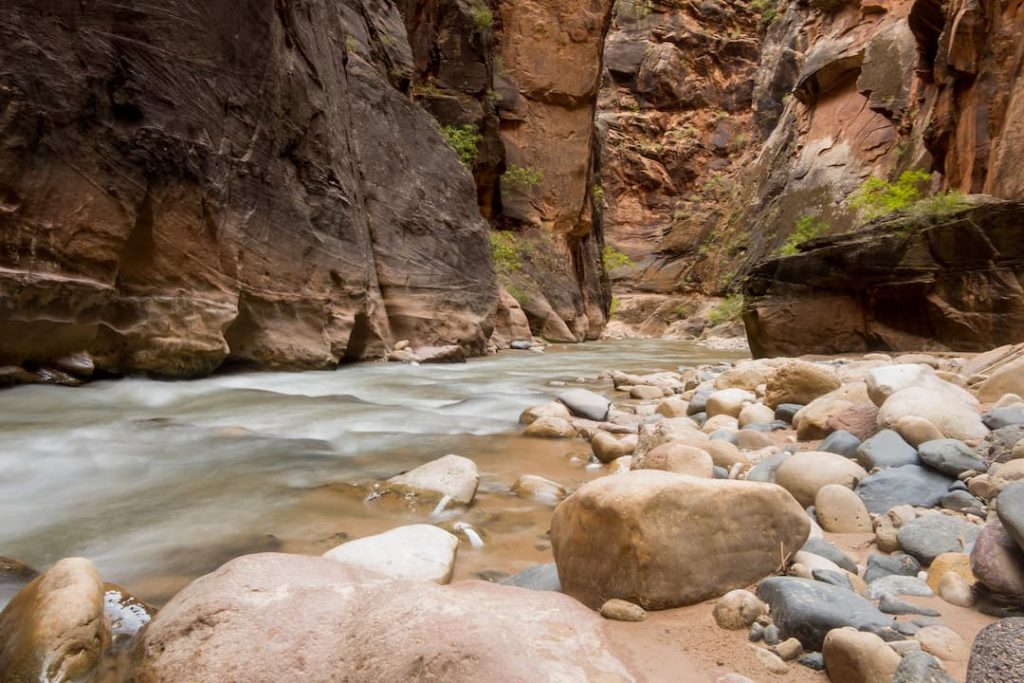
(798, 381)
(55, 628)
(664, 540)
(804, 474)
(956, 419)
(272, 617)
(1005, 379)
(885, 381)
(812, 421)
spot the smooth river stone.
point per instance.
(952, 457)
(585, 403)
(417, 551)
(1010, 506)
(907, 485)
(886, 449)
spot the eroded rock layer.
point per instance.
(185, 184)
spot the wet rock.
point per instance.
(334, 622)
(543, 577)
(819, 546)
(880, 566)
(997, 655)
(737, 609)
(55, 628)
(886, 449)
(855, 657)
(1010, 506)
(678, 458)
(840, 510)
(920, 667)
(943, 642)
(552, 409)
(585, 403)
(808, 610)
(418, 551)
(127, 615)
(606, 447)
(532, 487)
(13, 577)
(929, 536)
(951, 457)
(841, 443)
(997, 561)
(452, 476)
(798, 381)
(906, 485)
(662, 526)
(550, 428)
(805, 473)
(621, 610)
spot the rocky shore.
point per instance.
(855, 519)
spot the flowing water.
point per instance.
(159, 482)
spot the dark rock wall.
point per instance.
(187, 184)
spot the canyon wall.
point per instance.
(188, 184)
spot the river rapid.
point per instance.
(160, 482)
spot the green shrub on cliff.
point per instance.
(877, 198)
(615, 259)
(505, 251)
(483, 17)
(521, 177)
(729, 310)
(807, 228)
(464, 140)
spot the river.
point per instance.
(159, 482)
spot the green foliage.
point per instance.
(615, 259)
(614, 307)
(464, 140)
(483, 17)
(598, 193)
(518, 294)
(505, 250)
(807, 228)
(521, 178)
(939, 205)
(877, 198)
(728, 311)
(767, 9)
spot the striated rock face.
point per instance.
(676, 123)
(523, 77)
(958, 285)
(195, 184)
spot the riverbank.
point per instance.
(708, 420)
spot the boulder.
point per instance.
(920, 667)
(417, 551)
(840, 510)
(998, 562)
(852, 656)
(883, 382)
(606, 447)
(550, 428)
(805, 473)
(748, 376)
(955, 419)
(797, 381)
(929, 536)
(813, 420)
(585, 403)
(675, 540)
(728, 402)
(997, 418)
(681, 429)
(1010, 507)
(808, 610)
(678, 458)
(997, 655)
(55, 628)
(886, 449)
(552, 409)
(950, 456)
(907, 485)
(1007, 379)
(262, 618)
(452, 476)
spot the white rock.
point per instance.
(728, 402)
(452, 476)
(418, 551)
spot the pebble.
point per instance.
(840, 510)
(738, 609)
(621, 610)
(789, 649)
(769, 660)
(813, 661)
(772, 635)
(755, 633)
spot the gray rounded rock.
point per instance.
(699, 401)
(997, 418)
(950, 456)
(997, 655)
(907, 485)
(920, 667)
(963, 501)
(840, 442)
(786, 411)
(1010, 506)
(729, 435)
(886, 449)
(899, 564)
(765, 470)
(897, 585)
(585, 403)
(929, 536)
(890, 604)
(807, 610)
(999, 444)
